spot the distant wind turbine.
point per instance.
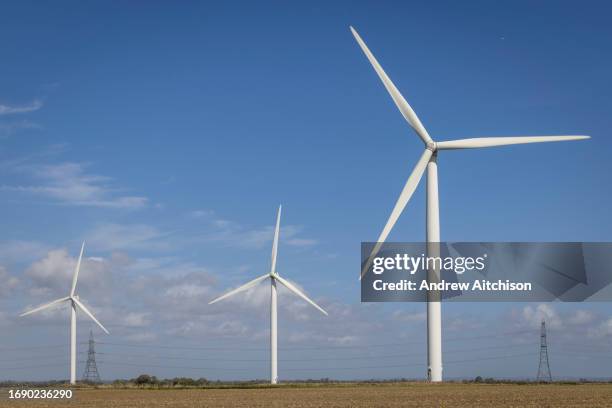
(74, 302)
(428, 161)
(273, 275)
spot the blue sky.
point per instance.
(166, 136)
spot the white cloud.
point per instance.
(533, 316)
(6, 319)
(134, 319)
(462, 324)
(105, 237)
(8, 282)
(233, 234)
(603, 330)
(405, 316)
(570, 326)
(10, 128)
(187, 290)
(141, 337)
(52, 275)
(54, 270)
(70, 184)
(230, 328)
(149, 299)
(35, 105)
(175, 297)
(201, 213)
(301, 242)
(581, 317)
(21, 251)
(309, 337)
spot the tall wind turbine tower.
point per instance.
(429, 162)
(274, 277)
(75, 302)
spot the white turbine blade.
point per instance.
(295, 290)
(76, 271)
(275, 242)
(411, 185)
(45, 306)
(397, 97)
(503, 141)
(244, 287)
(88, 313)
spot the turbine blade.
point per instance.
(88, 313)
(397, 97)
(295, 290)
(76, 271)
(503, 141)
(244, 287)
(411, 185)
(275, 242)
(45, 306)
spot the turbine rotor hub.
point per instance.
(433, 146)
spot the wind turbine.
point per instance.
(74, 302)
(274, 277)
(428, 161)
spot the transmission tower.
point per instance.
(544, 367)
(91, 369)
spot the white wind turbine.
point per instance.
(74, 302)
(273, 275)
(428, 161)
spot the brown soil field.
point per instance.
(366, 395)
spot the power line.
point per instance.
(13, 360)
(2, 348)
(28, 367)
(418, 364)
(114, 363)
(369, 357)
(238, 347)
(340, 347)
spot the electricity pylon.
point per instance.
(544, 367)
(91, 374)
